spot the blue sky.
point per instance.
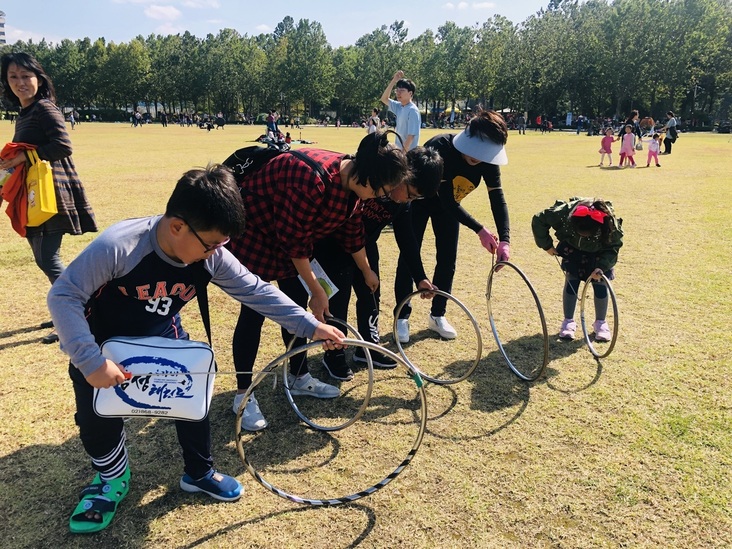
(343, 22)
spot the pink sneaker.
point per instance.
(602, 331)
(569, 326)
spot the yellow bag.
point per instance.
(41, 191)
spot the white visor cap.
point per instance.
(484, 150)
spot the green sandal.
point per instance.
(102, 498)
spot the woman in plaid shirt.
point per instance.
(291, 204)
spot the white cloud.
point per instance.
(13, 34)
(169, 28)
(162, 13)
(462, 6)
(263, 28)
(215, 4)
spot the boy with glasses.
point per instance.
(132, 281)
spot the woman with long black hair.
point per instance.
(40, 123)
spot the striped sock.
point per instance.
(114, 464)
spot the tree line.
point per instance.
(597, 58)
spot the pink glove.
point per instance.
(487, 240)
(504, 251)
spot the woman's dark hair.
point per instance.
(586, 224)
(670, 113)
(27, 62)
(208, 199)
(427, 166)
(488, 124)
(379, 163)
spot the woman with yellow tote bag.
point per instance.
(40, 123)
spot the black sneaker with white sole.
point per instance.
(335, 363)
(378, 359)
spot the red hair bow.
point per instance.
(584, 211)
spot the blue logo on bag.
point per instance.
(164, 380)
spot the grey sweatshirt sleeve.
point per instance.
(105, 259)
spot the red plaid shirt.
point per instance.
(289, 206)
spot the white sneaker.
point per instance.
(307, 385)
(440, 325)
(251, 418)
(403, 330)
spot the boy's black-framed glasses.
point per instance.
(207, 247)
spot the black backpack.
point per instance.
(249, 160)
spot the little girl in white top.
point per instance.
(653, 149)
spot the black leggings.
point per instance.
(345, 275)
(248, 334)
(446, 229)
(569, 298)
(667, 145)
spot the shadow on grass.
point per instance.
(241, 524)
(494, 389)
(19, 331)
(39, 486)
(41, 483)
(562, 348)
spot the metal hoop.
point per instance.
(489, 292)
(476, 326)
(616, 323)
(366, 345)
(296, 408)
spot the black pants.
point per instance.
(342, 270)
(667, 142)
(447, 230)
(248, 334)
(100, 435)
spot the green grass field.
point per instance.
(631, 451)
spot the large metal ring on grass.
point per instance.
(329, 502)
(288, 393)
(476, 327)
(616, 323)
(529, 375)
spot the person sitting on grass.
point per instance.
(590, 237)
(132, 281)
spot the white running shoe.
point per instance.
(440, 325)
(251, 418)
(403, 330)
(307, 385)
